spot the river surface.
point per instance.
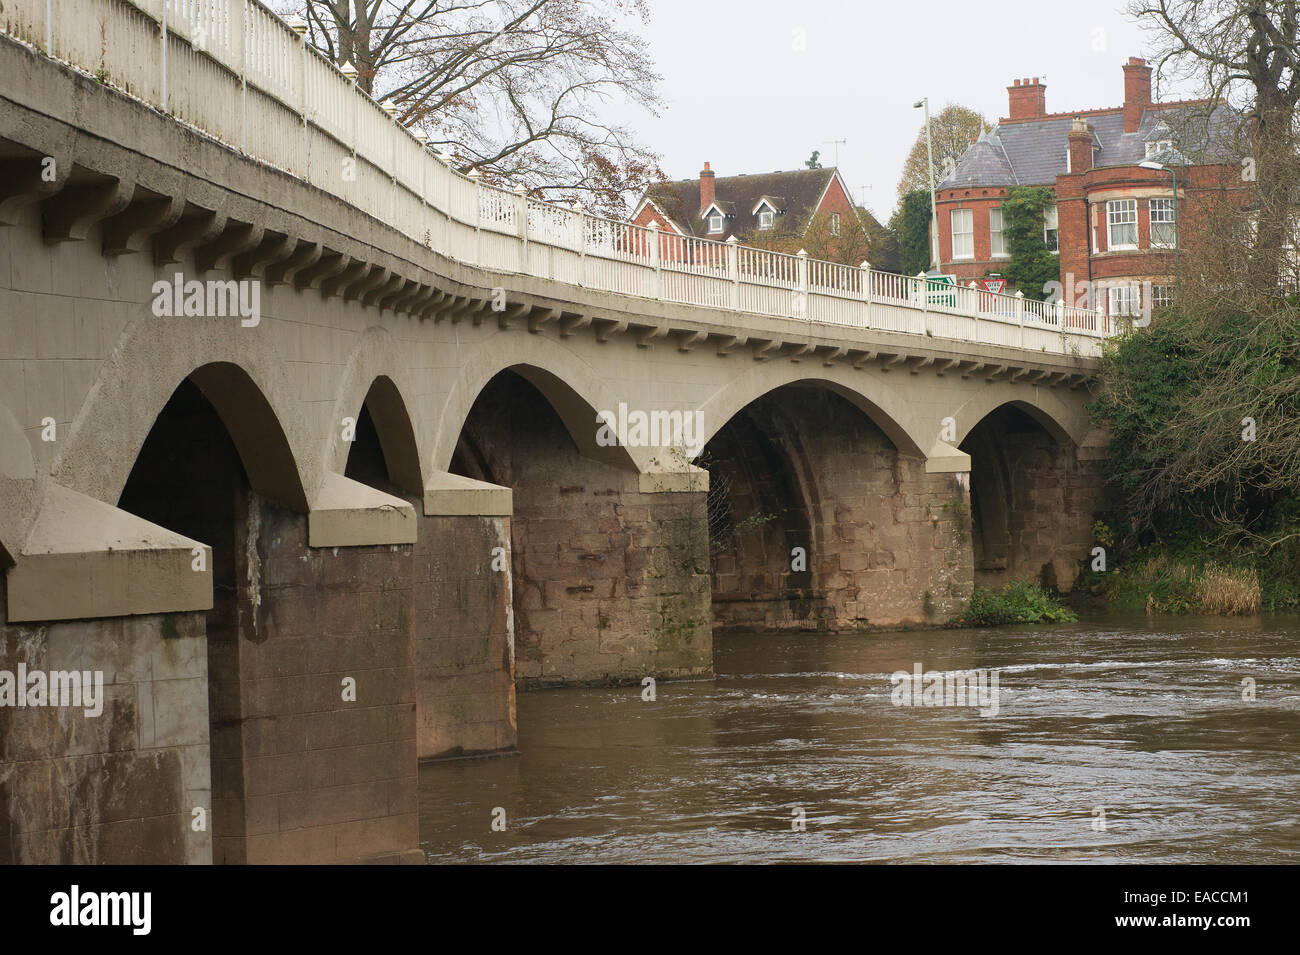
(1142, 722)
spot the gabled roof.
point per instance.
(1033, 152)
(794, 193)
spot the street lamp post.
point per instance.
(929, 168)
(1159, 167)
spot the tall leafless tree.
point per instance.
(521, 90)
(1244, 54)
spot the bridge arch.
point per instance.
(1041, 404)
(886, 409)
(821, 511)
(239, 371)
(1028, 515)
(572, 386)
(374, 393)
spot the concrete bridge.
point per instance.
(305, 445)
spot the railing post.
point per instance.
(975, 311)
(1020, 315)
(445, 156)
(390, 108)
(923, 290)
(656, 259)
(350, 73)
(240, 30)
(803, 284)
(733, 271)
(299, 26)
(866, 293)
(476, 177)
(580, 224)
(521, 225)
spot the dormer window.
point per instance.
(1159, 146)
(717, 222)
(765, 219)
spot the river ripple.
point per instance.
(1144, 720)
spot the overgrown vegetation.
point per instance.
(1188, 578)
(1204, 460)
(1203, 406)
(1017, 602)
(1031, 267)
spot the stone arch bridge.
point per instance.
(300, 446)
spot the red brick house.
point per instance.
(779, 204)
(1113, 224)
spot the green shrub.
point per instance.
(1017, 602)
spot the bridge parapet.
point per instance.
(235, 71)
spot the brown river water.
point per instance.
(1140, 721)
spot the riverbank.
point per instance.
(1193, 580)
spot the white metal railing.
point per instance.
(237, 72)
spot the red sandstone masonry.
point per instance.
(609, 582)
(889, 544)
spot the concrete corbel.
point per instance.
(235, 238)
(608, 328)
(131, 229)
(686, 341)
(540, 318)
(729, 344)
(943, 458)
(572, 324)
(347, 513)
(685, 478)
(275, 247)
(451, 495)
(338, 282)
(69, 214)
(647, 335)
(32, 179)
(304, 255)
(391, 292)
(85, 559)
(373, 280)
(329, 265)
(195, 226)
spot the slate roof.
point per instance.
(796, 191)
(1033, 152)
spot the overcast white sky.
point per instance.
(742, 97)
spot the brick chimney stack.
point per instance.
(706, 187)
(1137, 92)
(1080, 139)
(1027, 99)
